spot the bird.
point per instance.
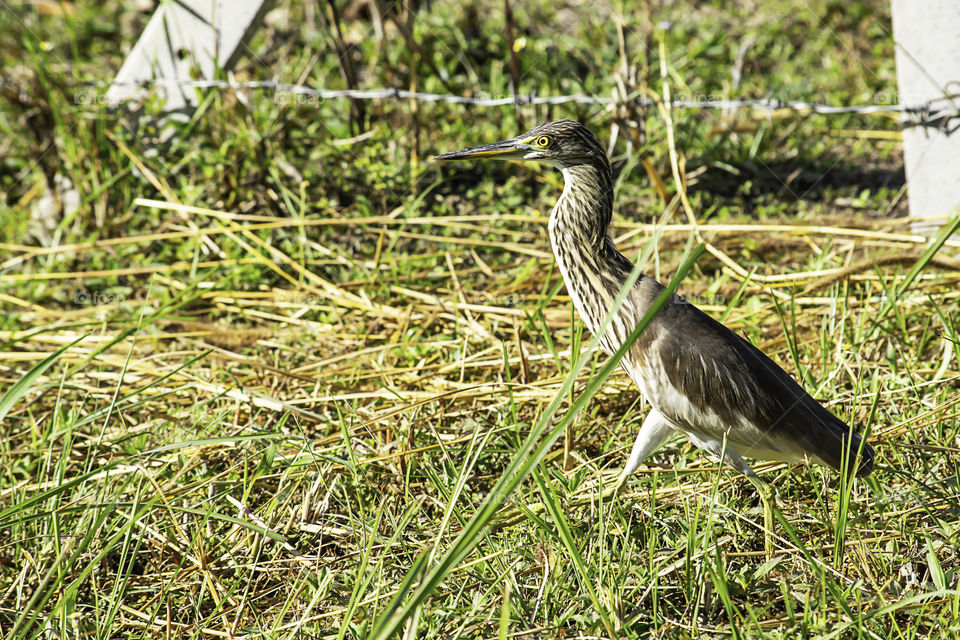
(700, 378)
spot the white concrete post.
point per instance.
(184, 36)
(926, 34)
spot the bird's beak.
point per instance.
(507, 150)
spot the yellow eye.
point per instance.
(543, 141)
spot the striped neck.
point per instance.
(593, 270)
(586, 204)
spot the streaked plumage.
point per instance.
(699, 377)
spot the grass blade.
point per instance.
(566, 537)
(23, 385)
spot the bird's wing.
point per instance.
(715, 382)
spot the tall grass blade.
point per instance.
(530, 453)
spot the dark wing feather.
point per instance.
(718, 370)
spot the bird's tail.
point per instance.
(833, 441)
(859, 455)
(846, 450)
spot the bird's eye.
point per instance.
(543, 141)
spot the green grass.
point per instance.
(282, 376)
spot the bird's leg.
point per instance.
(653, 432)
(767, 494)
(768, 497)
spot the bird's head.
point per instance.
(562, 143)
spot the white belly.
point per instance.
(704, 426)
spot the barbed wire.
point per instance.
(936, 113)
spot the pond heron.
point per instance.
(700, 378)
